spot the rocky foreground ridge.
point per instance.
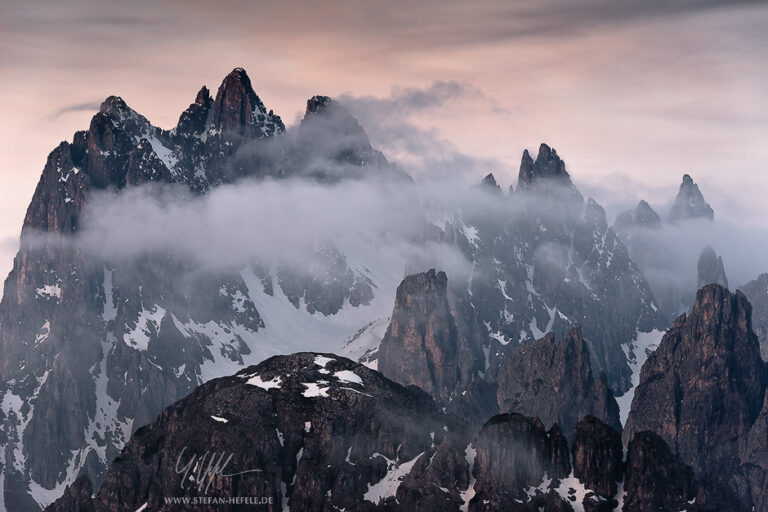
(320, 432)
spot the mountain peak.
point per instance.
(203, 96)
(642, 216)
(237, 78)
(114, 105)
(337, 143)
(237, 108)
(489, 183)
(318, 104)
(690, 203)
(425, 357)
(547, 166)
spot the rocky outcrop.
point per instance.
(757, 293)
(703, 390)
(690, 203)
(598, 457)
(326, 284)
(710, 269)
(514, 453)
(308, 431)
(657, 480)
(442, 478)
(554, 381)
(422, 345)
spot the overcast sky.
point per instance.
(632, 94)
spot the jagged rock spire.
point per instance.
(237, 109)
(710, 269)
(193, 120)
(690, 203)
(547, 166)
(421, 343)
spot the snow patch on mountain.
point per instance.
(269, 384)
(466, 496)
(637, 352)
(572, 487)
(387, 486)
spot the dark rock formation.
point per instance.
(514, 452)
(703, 389)
(690, 203)
(326, 284)
(422, 345)
(710, 269)
(757, 293)
(309, 431)
(77, 497)
(441, 478)
(657, 480)
(554, 381)
(547, 167)
(597, 456)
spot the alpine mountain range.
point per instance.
(552, 369)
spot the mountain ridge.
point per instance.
(122, 340)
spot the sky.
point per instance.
(631, 94)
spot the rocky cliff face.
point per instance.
(554, 381)
(515, 454)
(655, 479)
(598, 456)
(422, 345)
(710, 269)
(757, 293)
(703, 392)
